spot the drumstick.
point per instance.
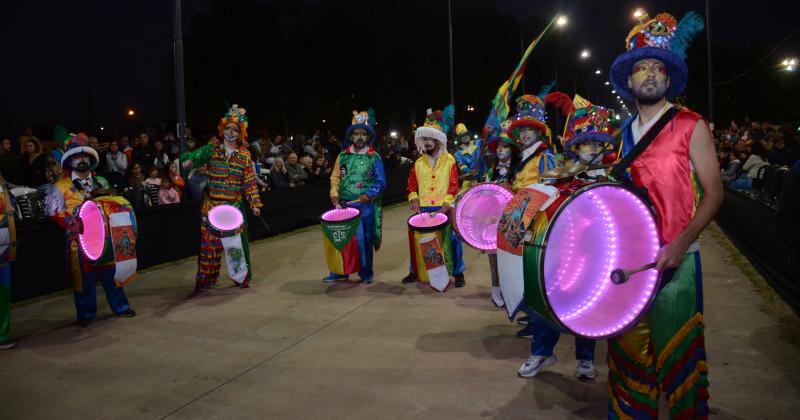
(262, 221)
(621, 275)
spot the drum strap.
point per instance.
(619, 170)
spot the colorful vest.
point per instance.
(530, 169)
(359, 173)
(432, 186)
(665, 170)
(230, 178)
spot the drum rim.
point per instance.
(104, 219)
(427, 229)
(546, 239)
(349, 219)
(458, 201)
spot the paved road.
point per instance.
(293, 347)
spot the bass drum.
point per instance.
(477, 211)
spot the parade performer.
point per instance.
(468, 157)
(668, 152)
(77, 184)
(505, 154)
(231, 180)
(588, 137)
(8, 251)
(357, 180)
(433, 181)
(529, 128)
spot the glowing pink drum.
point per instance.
(107, 230)
(572, 248)
(429, 245)
(225, 220)
(476, 213)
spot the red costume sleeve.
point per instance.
(452, 189)
(413, 187)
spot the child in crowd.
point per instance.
(167, 194)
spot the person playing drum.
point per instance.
(589, 138)
(433, 181)
(669, 151)
(506, 154)
(231, 180)
(77, 183)
(357, 180)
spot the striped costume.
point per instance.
(231, 180)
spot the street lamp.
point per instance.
(607, 83)
(561, 21)
(131, 112)
(585, 54)
(393, 134)
(597, 72)
(790, 64)
(638, 13)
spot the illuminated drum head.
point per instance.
(225, 217)
(477, 213)
(93, 238)
(339, 215)
(427, 221)
(602, 228)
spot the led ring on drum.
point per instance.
(477, 211)
(569, 261)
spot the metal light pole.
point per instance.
(180, 93)
(710, 71)
(450, 34)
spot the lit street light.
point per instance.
(585, 54)
(789, 64)
(638, 13)
(131, 112)
(561, 21)
(607, 83)
(597, 72)
(393, 134)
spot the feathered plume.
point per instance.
(561, 101)
(371, 117)
(546, 89)
(60, 134)
(687, 29)
(449, 118)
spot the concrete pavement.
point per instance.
(294, 347)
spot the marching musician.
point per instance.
(64, 197)
(433, 181)
(357, 180)
(231, 180)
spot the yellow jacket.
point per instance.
(540, 161)
(433, 186)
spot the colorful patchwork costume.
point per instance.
(231, 180)
(8, 250)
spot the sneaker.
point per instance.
(367, 280)
(335, 277)
(526, 332)
(460, 280)
(497, 297)
(129, 313)
(7, 345)
(534, 365)
(524, 320)
(585, 370)
(410, 278)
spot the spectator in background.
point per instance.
(196, 183)
(167, 194)
(278, 176)
(9, 162)
(125, 147)
(32, 165)
(116, 164)
(308, 149)
(751, 167)
(143, 152)
(136, 189)
(101, 149)
(733, 169)
(780, 154)
(320, 169)
(27, 134)
(151, 186)
(171, 145)
(266, 151)
(177, 180)
(308, 167)
(160, 157)
(297, 175)
(53, 169)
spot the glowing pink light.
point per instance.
(427, 220)
(339, 215)
(93, 237)
(225, 217)
(477, 213)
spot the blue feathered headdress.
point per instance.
(365, 120)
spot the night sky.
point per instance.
(81, 61)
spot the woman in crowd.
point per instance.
(32, 165)
(751, 167)
(160, 157)
(320, 169)
(278, 176)
(152, 185)
(135, 191)
(177, 180)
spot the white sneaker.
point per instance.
(534, 365)
(585, 370)
(497, 297)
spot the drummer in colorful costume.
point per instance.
(529, 128)
(668, 150)
(63, 199)
(468, 156)
(232, 181)
(357, 180)
(588, 137)
(433, 181)
(8, 251)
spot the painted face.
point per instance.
(503, 152)
(529, 136)
(231, 132)
(648, 81)
(431, 145)
(80, 163)
(359, 138)
(589, 152)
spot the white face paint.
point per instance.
(359, 138)
(231, 133)
(431, 145)
(529, 136)
(80, 163)
(503, 153)
(589, 153)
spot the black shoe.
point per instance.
(129, 313)
(524, 320)
(526, 332)
(85, 322)
(460, 280)
(7, 345)
(410, 278)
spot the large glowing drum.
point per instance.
(340, 240)
(225, 220)
(93, 230)
(575, 245)
(429, 245)
(476, 213)
(108, 230)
